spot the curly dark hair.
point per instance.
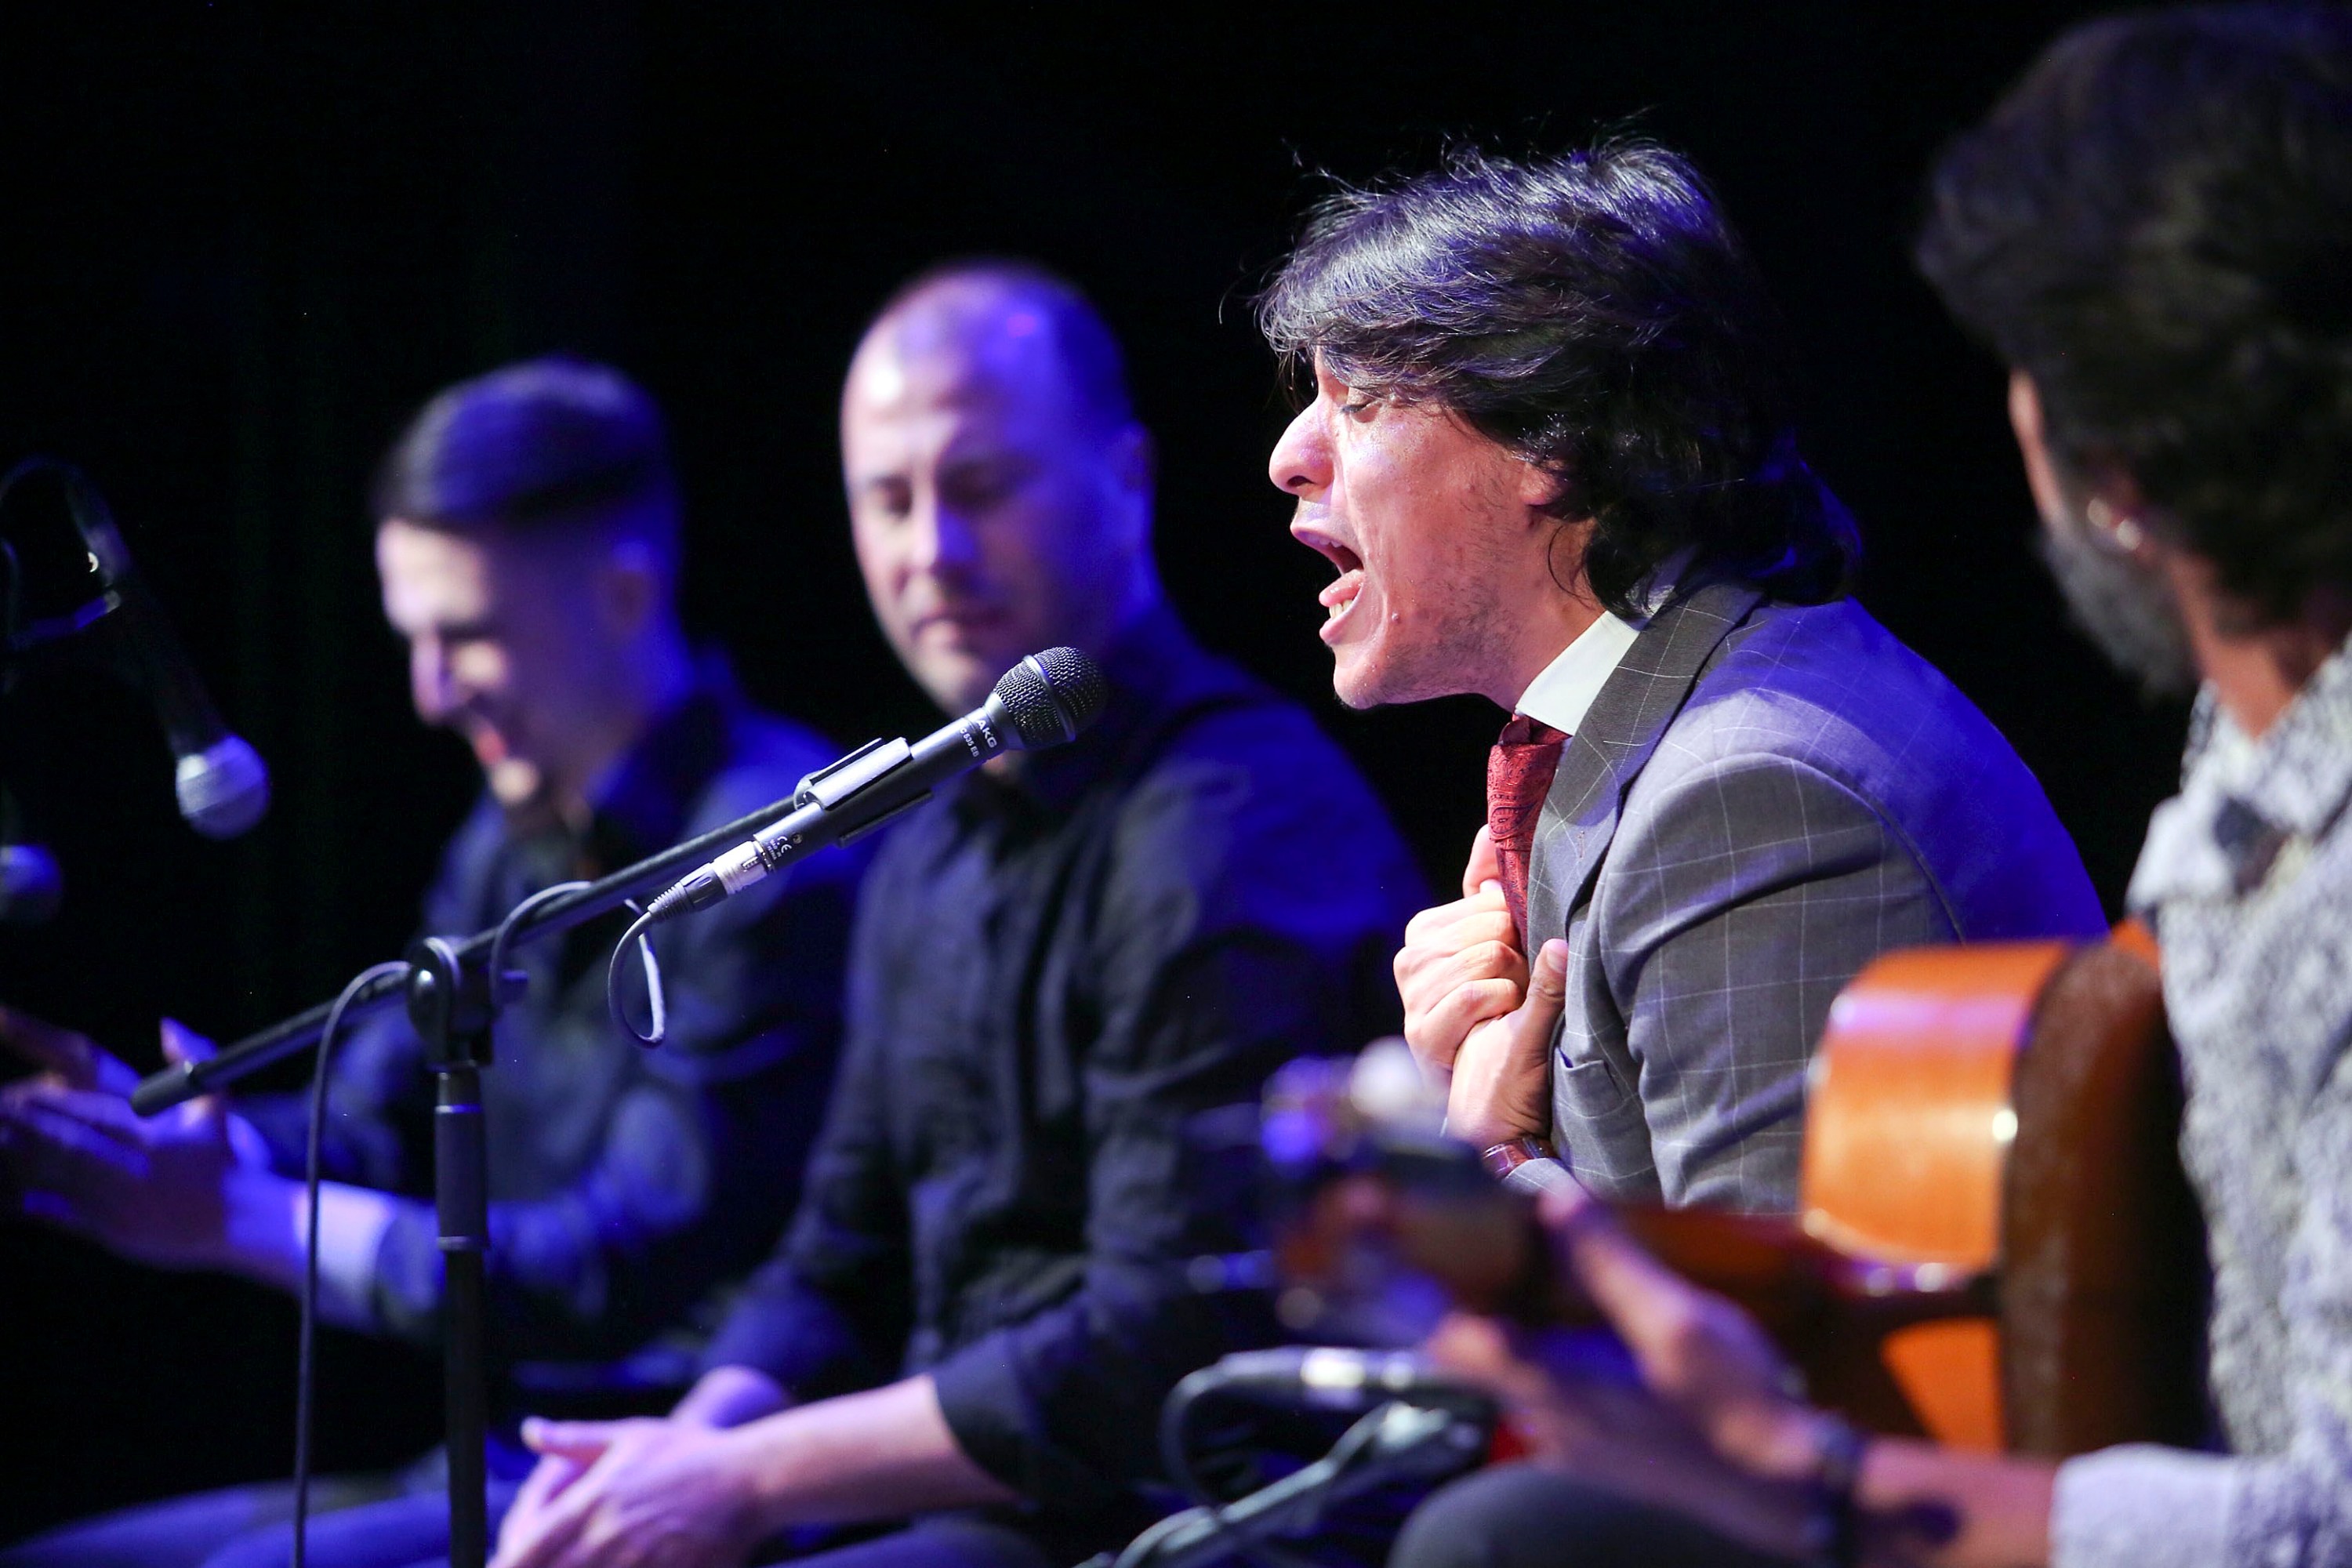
(1596, 315)
(2156, 226)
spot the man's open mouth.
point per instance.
(1340, 596)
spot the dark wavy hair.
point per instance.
(2156, 226)
(1596, 315)
(544, 445)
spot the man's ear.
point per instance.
(2033, 445)
(1134, 470)
(2061, 495)
(1134, 459)
(1539, 489)
(631, 588)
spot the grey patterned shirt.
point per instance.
(2248, 876)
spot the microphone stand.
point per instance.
(470, 955)
(452, 1001)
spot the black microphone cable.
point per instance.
(509, 985)
(303, 1367)
(505, 986)
(640, 936)
(1176, 1458)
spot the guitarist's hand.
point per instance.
(1686, 1407)
(1695, 1350)
(1501, 1086)
(1459, 965)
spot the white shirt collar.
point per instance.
(1564, 691)
(1563, 694)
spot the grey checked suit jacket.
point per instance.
(1762, 798)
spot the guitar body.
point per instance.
(2013, 1109)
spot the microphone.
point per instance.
(1336, 1377)
(1044, 700)
(222, 784)
(32, 885)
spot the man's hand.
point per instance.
(1686, 1405)
(68, 1059)
(646, 1494)
(1694, 1349)
(1459, 965)
(1501, 1084)
(525, 1517)
(156, 1189)
(725, 1396)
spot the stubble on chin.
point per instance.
(2124, 607)
(956, 679)
(1390, 677)
(1355, 687)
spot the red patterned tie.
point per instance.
(1518, 776)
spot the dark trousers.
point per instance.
(1517, 1516)
(356, 1521)
(370, 1522)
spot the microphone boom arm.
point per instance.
(186, 1080)
(1044, 700)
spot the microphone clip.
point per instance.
(835, 784)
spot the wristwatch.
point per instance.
(1505, 1157)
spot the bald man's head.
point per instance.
(1004, 311)
(1000, 490)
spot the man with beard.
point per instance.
(2154, 230)
(1067, 974)
(527, 538)
(1552, 452)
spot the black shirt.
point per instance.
(629, 1187)
(1058, 976)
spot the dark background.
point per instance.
(236, 250)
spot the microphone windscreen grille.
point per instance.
(1079, 681)
(1052, 696)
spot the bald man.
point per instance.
(1060, 973)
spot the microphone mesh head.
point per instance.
(1051, 696)
(223, 789)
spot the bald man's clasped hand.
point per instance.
(730, 1467)
(656, 1492)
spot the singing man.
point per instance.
(1551, 454)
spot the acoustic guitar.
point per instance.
(1996, 1246)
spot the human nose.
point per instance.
(432, 684)
(945, 541)
(1301, 464)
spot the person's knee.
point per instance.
(1517, 1516)
(1489, 1520)
(381, 1532)
(175, 1532)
